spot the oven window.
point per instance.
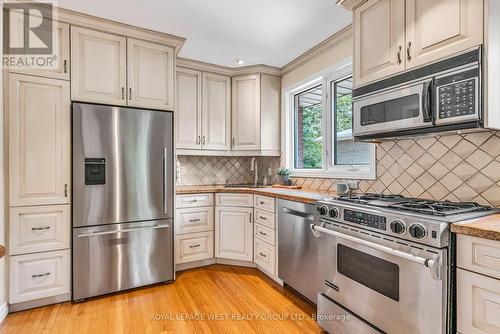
(373, 272)
(392, 110)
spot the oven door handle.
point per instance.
(432, 264)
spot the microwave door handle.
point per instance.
(426, 101)
(432, 264)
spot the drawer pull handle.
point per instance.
(40, 275)
(262, 233)
(194, 246)
(263, 255)
(263, 218)
(40, 228)
(194, 200)
(194, 220)
(262, 202)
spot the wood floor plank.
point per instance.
(215, 299)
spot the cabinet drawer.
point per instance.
(265, 218)
(39, 275)
(264, 203)
(479, 255)
(265, 233)
(39, 228)
(190, 220)
(265, 256)
(478, 303)
(194, 247)
(194, 200)
(234, 200)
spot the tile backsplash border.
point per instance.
(454, 167)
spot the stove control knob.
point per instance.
(397, 226)
(417, 231)
(323, 210)
(334, 213)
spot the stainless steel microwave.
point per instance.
(445, 96)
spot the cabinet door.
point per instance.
(478, 303)
(98, 67)
(39, 140)
(150, 75)
(378, 40)
(188, 113)
(438, 29)
(246, 112)
(234, 233)
(216, 117)
(60, 68)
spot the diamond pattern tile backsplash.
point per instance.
(454, 167)
(199, 170)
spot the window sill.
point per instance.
(344, 174)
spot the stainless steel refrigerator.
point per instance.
(122, 198)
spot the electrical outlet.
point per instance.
(352, 184)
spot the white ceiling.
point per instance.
(271, 32)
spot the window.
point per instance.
(320, 141)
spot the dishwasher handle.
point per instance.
(306, 216)
(92, 234)
(432, 264)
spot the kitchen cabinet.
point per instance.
(188, 114)
(116, 70)
(256, 112)
(234, 233)
(98, 67)
(40, 275)
(438, 29)
(378, 40)
(61, 63)
(265, 234)
(393, 36)
(203, 110)
(216, 112)
(150, 75)
(39, 141)
(478, 285)
(194, 229)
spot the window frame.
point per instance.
(327, 79)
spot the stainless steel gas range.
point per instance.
(387, 263)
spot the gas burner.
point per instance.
(437, 208)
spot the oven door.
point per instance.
(383, 283)
(397, 109)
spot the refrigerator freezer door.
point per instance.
(121, 256)
(122, 165)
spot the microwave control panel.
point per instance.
(365, 219)
(457, 94)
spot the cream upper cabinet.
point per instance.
(234, 233)
(39, 140)
(216, 112)
(61, 63)
(378, 40)
(188, 113)
(246, 112)
(393, 36)
(98, 67)
(437, 29)
(150, 75)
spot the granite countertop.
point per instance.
(487, 227)
(298, 195)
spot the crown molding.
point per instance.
(114, 27)
(322, 47)
(229, 71)
(350, 4)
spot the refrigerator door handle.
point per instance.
(165, 190)
(83, 235)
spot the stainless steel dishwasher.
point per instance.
(298, 248)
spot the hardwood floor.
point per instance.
(214, 299)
